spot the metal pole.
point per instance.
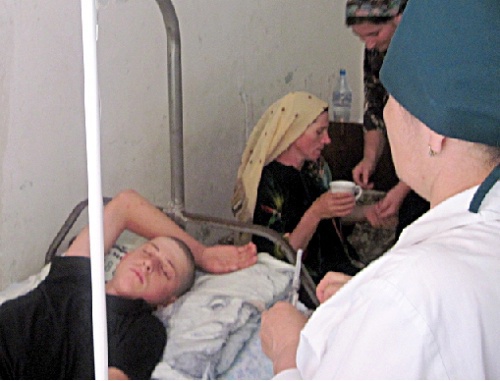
(92, 129)
(174, 102)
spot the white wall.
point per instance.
(238, 56)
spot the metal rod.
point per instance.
(174, 101)
(262, 231)
(92, 131)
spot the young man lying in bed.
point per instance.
(47, 333)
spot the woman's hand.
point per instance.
(362, 172)
(326, 206)
(330, 284)
(373, 147)
(279, 334)
(384, 214)
(330, 205)
(390, 204)
(372, 216)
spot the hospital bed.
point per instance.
(213, 330)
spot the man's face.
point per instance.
(376, 36)
(153, 272)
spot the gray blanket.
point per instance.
(208, 326)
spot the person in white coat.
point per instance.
(430, 307)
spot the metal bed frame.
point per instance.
(177, 210)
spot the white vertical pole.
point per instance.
(92, 129)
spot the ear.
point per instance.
(436, 141)
(397, 19)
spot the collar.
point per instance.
(453, 212)
(483, 189)
(124, 306)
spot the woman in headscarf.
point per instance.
(429, 308)
(375, 22)
(281, 186)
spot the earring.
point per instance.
(432, 153)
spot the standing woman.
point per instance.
(375, 22)
(430, 307)
(281, 186)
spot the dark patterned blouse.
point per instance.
(375, 94)
(284, 194)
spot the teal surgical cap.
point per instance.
(443, 66)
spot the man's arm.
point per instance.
(130, 211)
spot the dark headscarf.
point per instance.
(357, 11)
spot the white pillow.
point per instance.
(112, 259)
(25, 286)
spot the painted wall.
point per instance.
(238, 56)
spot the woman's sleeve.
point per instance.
(269, 212)
(269, 205)
(375, 93)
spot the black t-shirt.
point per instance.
(47, 333)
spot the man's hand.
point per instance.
(279, 334)
(330, 284)
(222, 259)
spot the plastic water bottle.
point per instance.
(342, 99)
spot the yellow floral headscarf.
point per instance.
(281, 124)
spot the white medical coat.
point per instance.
(427, 309)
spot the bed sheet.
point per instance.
(250, 363)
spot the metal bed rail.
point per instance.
(262, 231)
